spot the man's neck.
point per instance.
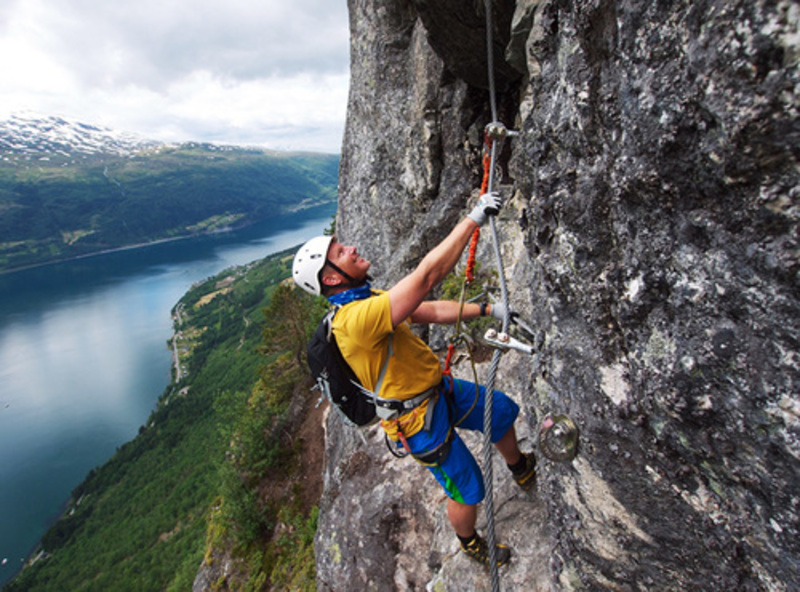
(348, 295)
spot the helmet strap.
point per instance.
(352, 282)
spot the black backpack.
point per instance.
(337, 381)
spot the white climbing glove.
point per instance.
(499, 312)
(489, 204)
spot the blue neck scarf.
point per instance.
(351, 295)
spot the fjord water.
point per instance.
(84, 357)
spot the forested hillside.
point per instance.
(214, 471)
(59, 205)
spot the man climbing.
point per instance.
(421, 406)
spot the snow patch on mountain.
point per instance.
(43, 137)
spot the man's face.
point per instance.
(348, 260)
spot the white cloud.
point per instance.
(240, 71)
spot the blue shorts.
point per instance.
(459, 474)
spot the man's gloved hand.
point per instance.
(489, 204)
(499, 312)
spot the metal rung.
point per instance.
(504, 341)
(497, 130)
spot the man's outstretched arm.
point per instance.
(445, 312)
(406, 296)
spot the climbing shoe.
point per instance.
(526, 477)
(478, 550)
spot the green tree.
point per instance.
(290, 319)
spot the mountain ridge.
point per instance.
(42, 136)
(33, 135)
(69, 189)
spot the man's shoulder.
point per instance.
(370, 315)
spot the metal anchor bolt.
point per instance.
(504, 341)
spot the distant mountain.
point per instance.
(69, 188)
(42, 137)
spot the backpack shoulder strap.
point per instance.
(390, 347)
(328, 322)
(382, 375)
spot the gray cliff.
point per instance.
(650, 236)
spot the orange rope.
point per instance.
(487, 161)
(473, 245)
(469, 273)
(447, 371)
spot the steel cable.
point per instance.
(489, 400)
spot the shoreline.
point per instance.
(160, 241)
(34, 552)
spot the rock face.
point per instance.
(651, 237)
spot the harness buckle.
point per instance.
(393, 408)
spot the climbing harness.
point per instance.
(437, 455)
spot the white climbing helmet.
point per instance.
(309, 261)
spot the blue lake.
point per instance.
(84, 357)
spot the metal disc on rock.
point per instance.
(558, 438)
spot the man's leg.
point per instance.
(460, 476)
(504, 414)
(522, 466)
(507, 446)
(462, 517)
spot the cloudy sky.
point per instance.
(271, 73)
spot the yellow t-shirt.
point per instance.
(362, 329)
